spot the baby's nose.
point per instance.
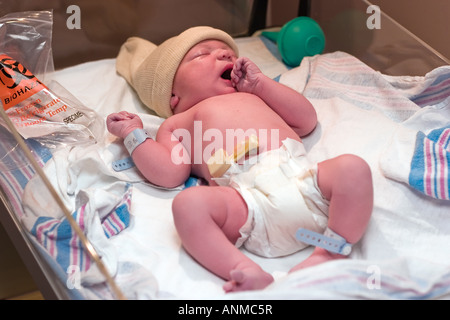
(225, 54)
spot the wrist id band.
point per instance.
(329, 240)
(135, 138)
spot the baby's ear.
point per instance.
(174, 101)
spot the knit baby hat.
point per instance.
(151, 69)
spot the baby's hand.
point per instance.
(122, 123)
(245, 75)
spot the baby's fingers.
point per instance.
(113, 117)
(234, 78)
(236, 72)
(118, 116)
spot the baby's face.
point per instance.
(204, 72)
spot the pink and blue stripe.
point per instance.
(430, 164)
(64, 245)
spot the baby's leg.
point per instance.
(208, 220)
(346, 181)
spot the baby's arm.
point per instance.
(152, 158)
(292, 106)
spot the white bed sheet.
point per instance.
(404, 253)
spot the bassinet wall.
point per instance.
(349, 276)
(13, 180)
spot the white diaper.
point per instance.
(282, 195)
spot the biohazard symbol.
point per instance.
(17, 83)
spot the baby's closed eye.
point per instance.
(200, 54)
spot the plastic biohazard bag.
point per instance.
(48, 114)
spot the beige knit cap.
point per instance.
(150, 69)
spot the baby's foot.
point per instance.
(247, 279)
(317, 257)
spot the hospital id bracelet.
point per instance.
(135, 138)
(329, 240)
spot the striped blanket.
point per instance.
(423, 140)
(62, 243)
(100, 205)
(431, 162)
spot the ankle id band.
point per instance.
(329, 240)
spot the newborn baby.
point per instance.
(215, 101)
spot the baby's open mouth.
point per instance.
(226, 74)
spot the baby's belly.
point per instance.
(239, 116)
(224, 123)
